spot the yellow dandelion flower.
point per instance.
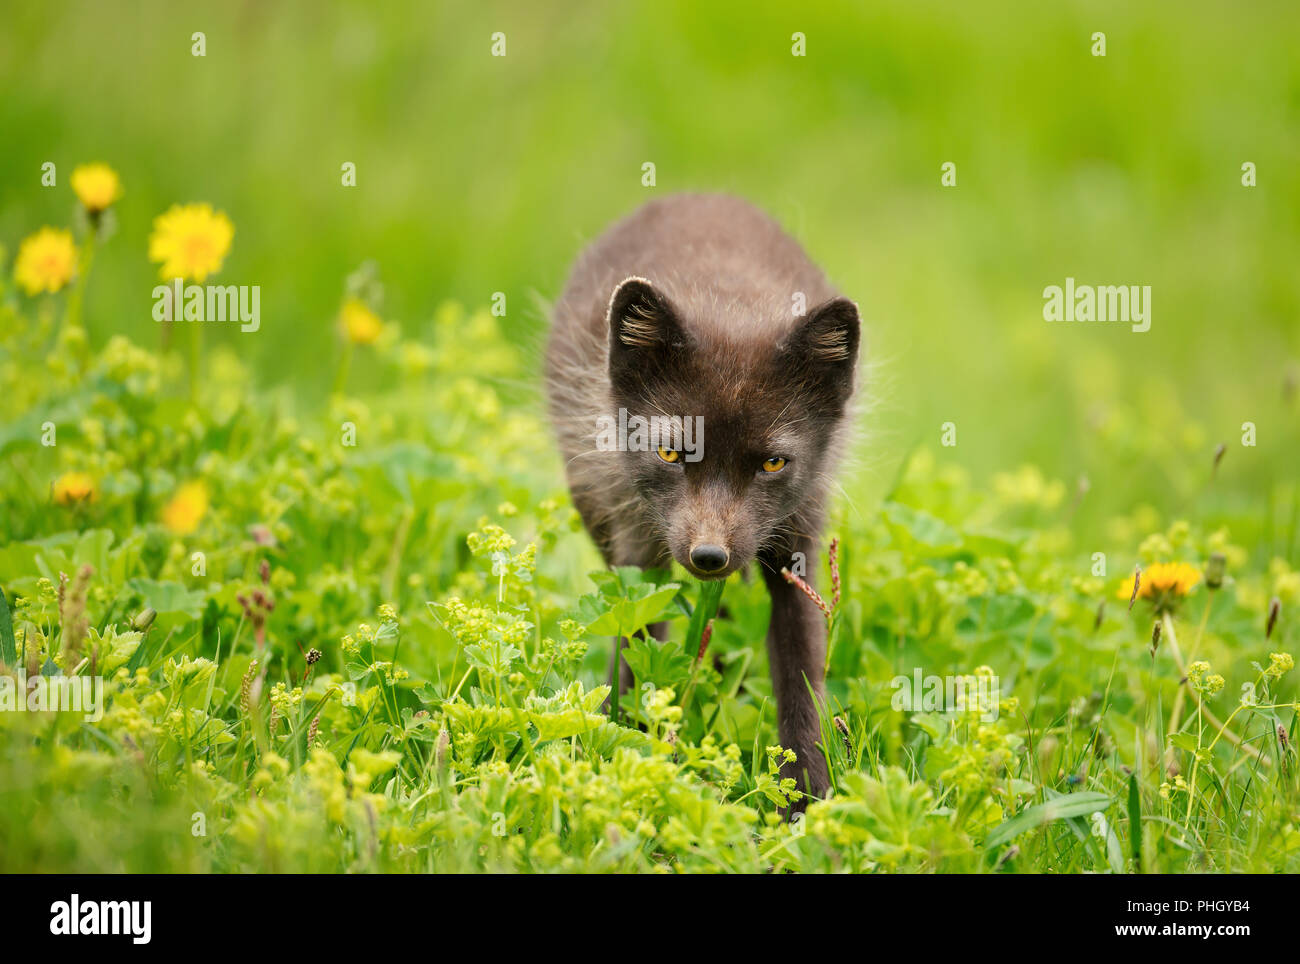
(186, 509)
(358, 323)
(47, 260)
(190, 241)
(1164, 583)
(73, 488)
(96, 185)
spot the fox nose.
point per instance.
(709, 558)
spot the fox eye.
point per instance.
(774, 464)
(671, 456)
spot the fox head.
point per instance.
(768, 395)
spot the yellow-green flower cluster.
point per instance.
(1279, 663)
(1202, 680)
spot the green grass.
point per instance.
(451, 722)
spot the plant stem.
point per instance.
(1176, 715)
(1209, 717)
(617, 681)
(1196, 758)
(195, 337)
(73, 315)
(345, 362)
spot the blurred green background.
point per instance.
(479, 174)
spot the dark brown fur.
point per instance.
(685, 308)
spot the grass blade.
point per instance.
(1135, 821)
(1071, 805)
(8, 644)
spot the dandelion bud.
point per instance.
(1274, 610)
(145, 619)
(1214, 570)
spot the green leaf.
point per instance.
(112, 650)
(562, 724)
(8, 644)
(931, 724)
(566, 714)
(90, 547)
(1135, 820)
(918, 532)
(710, 599)
(601, 741)
(664, 664)
(1063, 807)
(493, 655)
(624, 602)
(169, 598)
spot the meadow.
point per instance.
(343, 613)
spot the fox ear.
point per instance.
(643, 328)
(824, 348)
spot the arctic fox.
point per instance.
(699, 312)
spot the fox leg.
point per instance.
(796, 650)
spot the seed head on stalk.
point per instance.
(835, 573)
(312, 730)
(843, 729)
(705, 636)
(807, 590)
(246, 686)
